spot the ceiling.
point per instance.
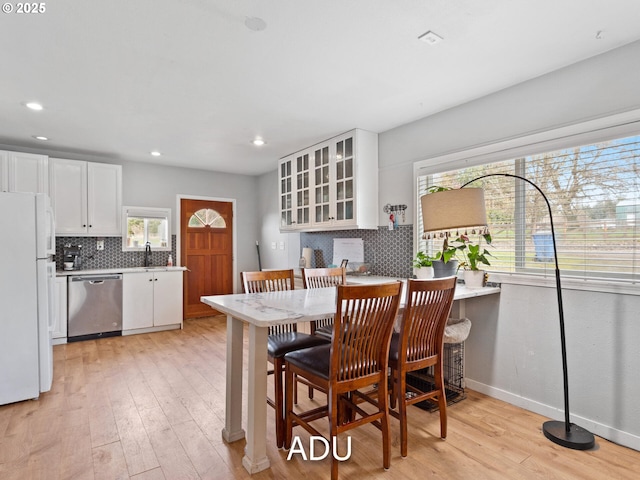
(191, 79)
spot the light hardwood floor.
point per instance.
(152, 407)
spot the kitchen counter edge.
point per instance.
(101, 271)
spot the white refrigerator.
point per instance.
(27, 283)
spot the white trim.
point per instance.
(600, 429)
(146, 212)
(588, 284)
(234, 230)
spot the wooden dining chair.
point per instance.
(356, 358)
(418, 345)
(320, 278)
(281, 338)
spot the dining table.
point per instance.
(260, 311)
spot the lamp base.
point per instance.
(577, 437)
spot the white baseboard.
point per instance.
(605, 431)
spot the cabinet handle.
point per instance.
(155, 279)
(151, 279)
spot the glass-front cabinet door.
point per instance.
(344, 180)
(322, 184)
(302, 189)
(332, 185)
(286, 203)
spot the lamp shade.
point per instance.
(463, 207)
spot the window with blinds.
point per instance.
(594, 193)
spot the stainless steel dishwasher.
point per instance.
(95, 306)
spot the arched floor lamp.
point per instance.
(465, 208)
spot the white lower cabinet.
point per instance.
(59, 333)
(151, 299)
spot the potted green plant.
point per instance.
(473, 256)
(423, 265)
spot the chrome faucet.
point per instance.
(147, 254)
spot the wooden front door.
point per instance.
(207, 251)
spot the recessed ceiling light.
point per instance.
(430, 37)
(258, 142)
(156, 153)
(33, 105)
(40, 137)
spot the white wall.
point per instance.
(597, 87)
(287, 245)
(513, 351)
(158, 186)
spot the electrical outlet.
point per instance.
(273, 245)
(281, 245)
(100, 245)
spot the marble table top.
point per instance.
(293, 306)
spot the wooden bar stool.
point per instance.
(418, 345)
(357, 358)
(281, 338)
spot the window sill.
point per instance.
(605, 285)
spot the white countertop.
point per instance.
(298, 305)
(101, 271)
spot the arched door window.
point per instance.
(207, 217)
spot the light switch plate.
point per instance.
(100, 245)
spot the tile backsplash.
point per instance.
(112, 256)
(389, 252)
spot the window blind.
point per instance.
(594, 193)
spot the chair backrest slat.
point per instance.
(363, 324)
(323, 277)
(269, 281)
(425, 317)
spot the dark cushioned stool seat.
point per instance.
(278, 344)
(315, 360)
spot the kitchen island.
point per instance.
(259, 311)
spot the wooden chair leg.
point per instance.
(394, 388)
(383, 401)
(333, 431)
(295, 389)
(278, 365)
(442, 399)
(402, 407)
(288, 397)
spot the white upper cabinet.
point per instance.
(87, 197)
(332, 185)
(24, 172)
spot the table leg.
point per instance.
(233, 403)
(255, 452)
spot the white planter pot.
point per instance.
(474, 278)
(424, 273)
